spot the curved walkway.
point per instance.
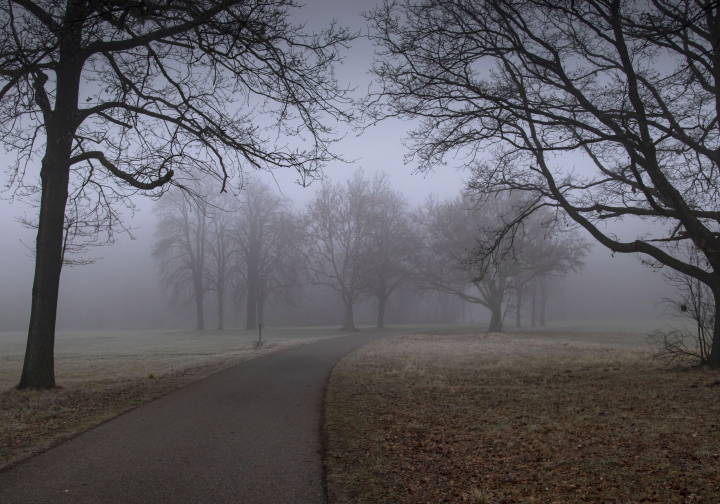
(248, 434)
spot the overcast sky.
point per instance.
(124, 284)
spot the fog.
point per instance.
(123, 290)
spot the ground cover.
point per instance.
(103, 374)
(529, 417)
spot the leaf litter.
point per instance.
(496, 419)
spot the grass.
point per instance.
(103, 374)
(526, 417)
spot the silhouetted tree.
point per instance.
(281, 261)
(626, 91)
(221, 252)
(260, 233)
(538, 247)
(181, 249)
(465, 252)
(392, 243)
(694, 303)
(338, 224)
(450, 230)
(125, 96)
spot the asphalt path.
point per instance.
(248, 434)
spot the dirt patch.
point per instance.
(495, 418)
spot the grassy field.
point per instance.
(103, 374)
(567, 416)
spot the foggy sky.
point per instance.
(123, 289)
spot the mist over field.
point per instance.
(123, 290)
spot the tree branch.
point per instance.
(130, 179)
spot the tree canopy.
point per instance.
(605, 110)
(118, 97)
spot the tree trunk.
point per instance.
(349, 318)
(496, 318)
(198, 269)
(533, 300)
(251, 305)
(543, 301)
(714, 357)
(221, 309)
(39, 365)
(261, 310)
(382, 300)
(199, 300)
(518, 307)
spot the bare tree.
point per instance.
(258, 233)
(540, 289)
(464, 253)
(547, 287)
(539, 248)
(628, 91)
(121, 96)
(181, 249)
(220, 248)
(281, 261)
(392, 243)
(338, 224)
(450, 230)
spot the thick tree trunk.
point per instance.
(714, 357)
(382, 300)
(518, 308)
(349, 322)
(39, 365)
(496, 318)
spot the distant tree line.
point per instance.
(246, 248)
(361, 241)
(462, 256)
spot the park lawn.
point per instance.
(527, 418)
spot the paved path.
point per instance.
(248, 434)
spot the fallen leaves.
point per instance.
(404, 426)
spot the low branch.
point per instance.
(130, 179)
